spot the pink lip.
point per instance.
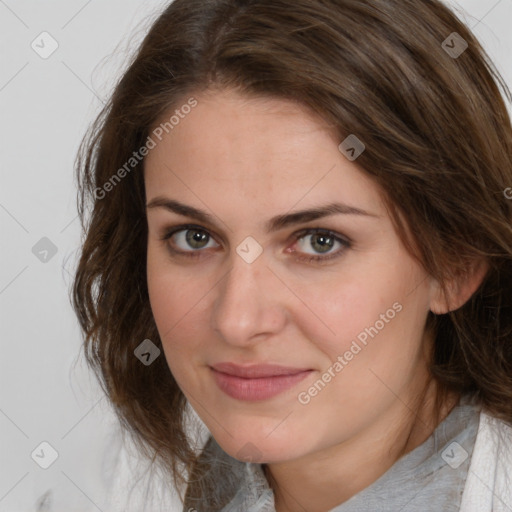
(256, 382)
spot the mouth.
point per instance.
(256, 382)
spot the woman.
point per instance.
(300, 232)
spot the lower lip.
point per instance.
(257, 389)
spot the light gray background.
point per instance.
(47, 393)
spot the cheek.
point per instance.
(338, 310)
(373, 316)
(370, 360)
(176, 305)
(177, 317)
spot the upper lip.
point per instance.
(256, 371)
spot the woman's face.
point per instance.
(239, 285)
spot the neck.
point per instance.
(318, 482)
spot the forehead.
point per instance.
(265, 151)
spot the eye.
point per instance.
(189, 239)
(322, 242)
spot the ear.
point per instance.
(459, 289)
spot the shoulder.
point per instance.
(496, 435)
(132, 483)
(499, 434)
(489, 480)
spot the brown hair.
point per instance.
(438, 141)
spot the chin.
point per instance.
(257, 445)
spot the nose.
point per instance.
(249, 304)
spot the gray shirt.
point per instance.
(430, 477)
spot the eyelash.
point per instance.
(345, 242)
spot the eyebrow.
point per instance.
(274, 224)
